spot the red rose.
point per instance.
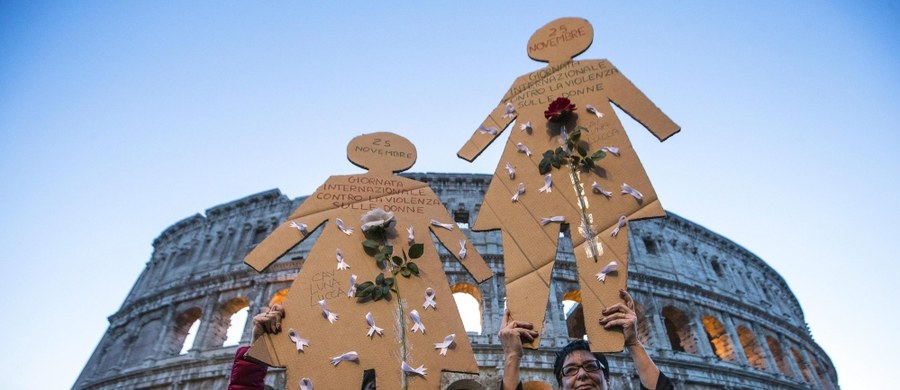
(558, 108)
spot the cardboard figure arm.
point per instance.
(282, 239)
(473, 262)
(480, 141)
(631, 100)
(311, 213)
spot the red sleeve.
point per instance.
(245, 374)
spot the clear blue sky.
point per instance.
(119, 118)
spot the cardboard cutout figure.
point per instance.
(595, 198)
(373, 293)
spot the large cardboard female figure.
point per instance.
(333, 342)
(623, 191)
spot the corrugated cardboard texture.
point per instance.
(349, 197)
(530, 248)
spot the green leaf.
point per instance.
(582, 151)
(364, 285)
(388, 281)
(388, 250)
(413, 268)
(371, 251)
(387, 296)
(548, 154)
(598, 155)
(544, 166)
(557, 163)
(576, 135)
(386, 291)
(378, 294)
(587, 164)
(370, 244)
(379, 280)
(380, 256)
(416, 250)
(397, 260)
(366, 291)
(405, 272)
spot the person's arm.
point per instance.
(247, 374)
(511, 334)
(622, 314)
(269, 321)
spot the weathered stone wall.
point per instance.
(712, 314)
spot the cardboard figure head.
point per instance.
(377, 152)
(560, 40)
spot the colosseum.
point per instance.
(712, 314)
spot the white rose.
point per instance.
(377, 218)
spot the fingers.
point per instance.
(509, 323)
(613, 315)
(270, 320)
(617, 308)
(617, 317)
(521, 325)
(629, 301)
(276, 321)
(277, 308)
(624, 323)
(527, 335)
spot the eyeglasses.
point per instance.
(589, 366)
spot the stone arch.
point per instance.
(113, 353)
(820, 371)
(278, 296)
(719, 339)
(752, 349)
(179, 331)
(464, 294)
(465, 384)
(803, 365)
(221, 322)
(573, 313)
(147, 337)
(678, 328)
(780, 358)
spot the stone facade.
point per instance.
(712, 315)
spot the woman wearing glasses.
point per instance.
(576, 367)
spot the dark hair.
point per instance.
(577, 345)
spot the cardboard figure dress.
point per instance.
(339, 344)
(622, 192)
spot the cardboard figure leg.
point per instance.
(597, 295)
(527, 285)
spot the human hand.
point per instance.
(269, 321)
(512, 333)
(622, 314)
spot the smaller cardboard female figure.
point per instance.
(597, 200)
(373, 293)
